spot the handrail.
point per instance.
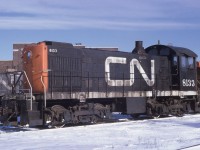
(45, 94)
(31, 91)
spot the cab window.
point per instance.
(183, 62)
(187, 62)
(164, 52)
(191, 62)
(175, 65)
(175, 61)
(153, 52)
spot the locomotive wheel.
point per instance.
(48, 115)
(54, 117)
(99, 111)
(94, 119)
(58, 117)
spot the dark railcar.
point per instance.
(70, 84)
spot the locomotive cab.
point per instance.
(182, 65)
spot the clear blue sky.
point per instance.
(100, 23)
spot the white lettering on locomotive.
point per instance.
(53, 50)
(133, 63)
(188, 82)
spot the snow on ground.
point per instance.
(165, 133)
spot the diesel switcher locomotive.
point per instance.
(64, 84)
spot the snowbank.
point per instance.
(166, 133)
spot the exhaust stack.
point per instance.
(139, 49)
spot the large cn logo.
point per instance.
(133, 63)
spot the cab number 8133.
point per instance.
(188, 82)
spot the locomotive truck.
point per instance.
(63, 84)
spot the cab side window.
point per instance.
(175, 65)
(187, 62)
(191, 62)
(175, 61)
(183, 62)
